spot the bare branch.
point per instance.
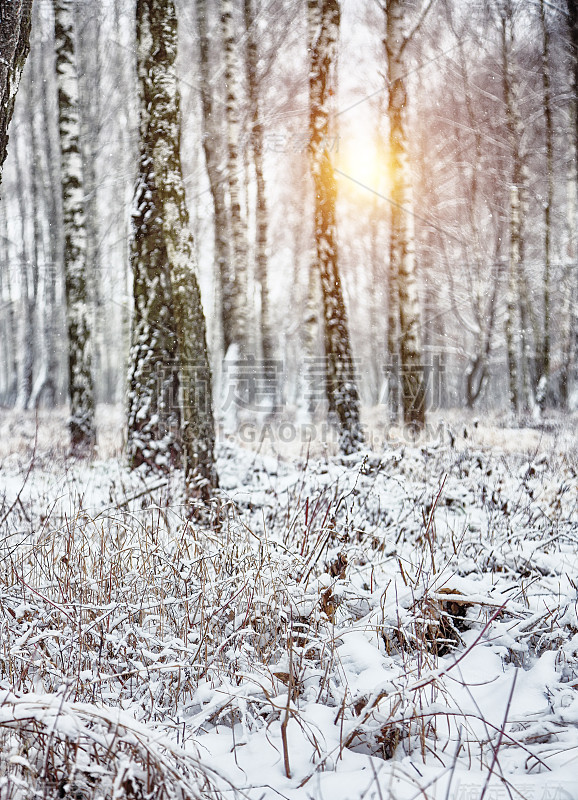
(423, 14)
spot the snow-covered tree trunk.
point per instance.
(39, 256)
(234, 166)
(477, 369)
(569, 312)
(9, 343)
(341, 387)
(82, 429)
(257, 146)
(195, 375)
(91, 116)
(375, 298)
(27, 294)
(570, 337)
(518, 337)
(511, 303)
(211, 134)
(543, 372)
(393, 337)
(154, 421)
(308, 382)
(45, 383)
(127, 158)
(45, 386)
(162, 231)
(402, 224)
(15, 21)
(511, 320)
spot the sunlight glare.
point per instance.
(359, 163)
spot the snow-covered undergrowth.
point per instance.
(400, 624)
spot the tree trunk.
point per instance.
(45, 388)
(375, 299)
(569, 312)
(80, 386)
(39, 215)
(153, 386)
(211, 138)
(571, 337)
(517, 337)
(477, 371)
(154, 418)
(166, 231)
(393, 337)
(240, 306)
(543, 372)
(27, 294)
(15, 20)
(512, 295)
(309, 393)
(341, 387)
(402, 226)
(261, 259)
(91, 90)
(9, 338)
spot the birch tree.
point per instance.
(15, 20)
(46, 167)
(544, 355)
(313, 305)
(80, 385)
(403, 271)
(163, 261)
(233, 170)
(28, 268)
(211, 137)
(8, 338)
(257, 148)
(571, 327)
(521, 326)
(341, 387)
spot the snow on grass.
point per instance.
(396, 624)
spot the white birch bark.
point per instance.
(212, 135)
(543, 375)
(27, 294)
(341, 386)
(91, 90)
(39, 254)
(402, 251)
(570, 279)
(512, 296)
(257, 147)
(45, 386)
(568, 380)
(240, 305)
(81, 393)
(521, 326)
(393, 333)
(308, 388)
(511, 321)
(9, 343)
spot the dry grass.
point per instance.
(126, 633)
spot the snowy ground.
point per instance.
(402, 623)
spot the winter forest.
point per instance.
(288, 398)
